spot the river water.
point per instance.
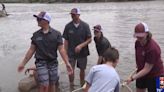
(117, 19)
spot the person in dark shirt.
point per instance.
(101, 42)
(148, 60)
(77, 36)
(44, 43)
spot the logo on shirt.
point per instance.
(39, 38)
(71, 31)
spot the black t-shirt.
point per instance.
(75, 36)
(102, 45)
(46, 44)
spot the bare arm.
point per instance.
(87, 87)
(86, 42)
(129, 78)
(82, 45)
(63, 54)
(27, 57)
(147, 68)
(65, 58)
(66, 45)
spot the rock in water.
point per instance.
(26, 84)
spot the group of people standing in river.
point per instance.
(74, 51)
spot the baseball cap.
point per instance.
(141, 29)
(43, 15)
(75, 11)
(97, 28)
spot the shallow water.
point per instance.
(117, 19)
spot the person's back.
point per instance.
(105, 79)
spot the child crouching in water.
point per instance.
(104, 78)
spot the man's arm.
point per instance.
(27, 57)
(65, 58)
(86, 42)
(66, 45)
(147, 68)
(82, 45)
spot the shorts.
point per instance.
(149, 83)
(81, 62)
(47, 72)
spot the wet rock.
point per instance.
(27, 84)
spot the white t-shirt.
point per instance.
(103, 78)
(76, 25)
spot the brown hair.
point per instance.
(149, 36)
(111, 54)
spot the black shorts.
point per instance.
(149, 83)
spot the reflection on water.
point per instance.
(117, 19)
